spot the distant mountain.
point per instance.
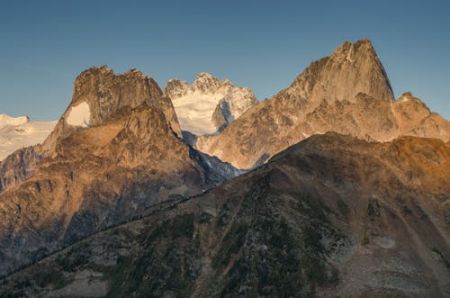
(19, 132)
(346, 191)
(116, 151)
(332, 216)
(209, 104)
(347, 92)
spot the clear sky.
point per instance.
(260, 44)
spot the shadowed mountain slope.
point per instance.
(115, 152)
(330, 216)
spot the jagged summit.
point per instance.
(349, 47)
(409, 96)
(100, 94)
(352, 68)
(208, 104)
(334, 204)
(116, 151)
(206, 82)
(347, 92)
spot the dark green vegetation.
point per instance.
(304, 225)
(262, 242)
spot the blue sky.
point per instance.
(260, 44)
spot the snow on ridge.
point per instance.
(6, 120)
(194, 111)
(79, 115)
(14, 137)
(196, 103)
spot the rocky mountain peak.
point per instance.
(100, 95)
(116, 151)
(176, 88)
(408, 99)
(347, 92)
(408, 96)
(207, 83)
(360, 47)
(106, 92)
(352, 68)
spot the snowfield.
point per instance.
(19, 132)
(194, 111)
(196, 103)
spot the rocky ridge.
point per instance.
(117, 203)
(330, 216)
(347, 92)
(114, 152)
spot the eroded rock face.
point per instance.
(209, 104)
(347, 92)
(106, 162)
(352, 68)
(99, 94)
(20, 148)
(17, 166)
(330, 216)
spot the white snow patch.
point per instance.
(195, 104)
(22, 133)
(6, 120)
(79, 115)
(194, 111)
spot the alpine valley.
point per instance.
(330, 188)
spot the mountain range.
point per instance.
(347, 92)
(332, 187)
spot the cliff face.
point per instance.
(115, 152)
(330, 216)
(17, 166)
(347, 92)
(99, 94)
(351, 69)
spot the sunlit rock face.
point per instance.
(347, 92)
(208, 104)
(118, 200)
(116, 151)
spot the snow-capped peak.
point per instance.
(207, 83)
(6, 120)
(209, 103)
(19, 132)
